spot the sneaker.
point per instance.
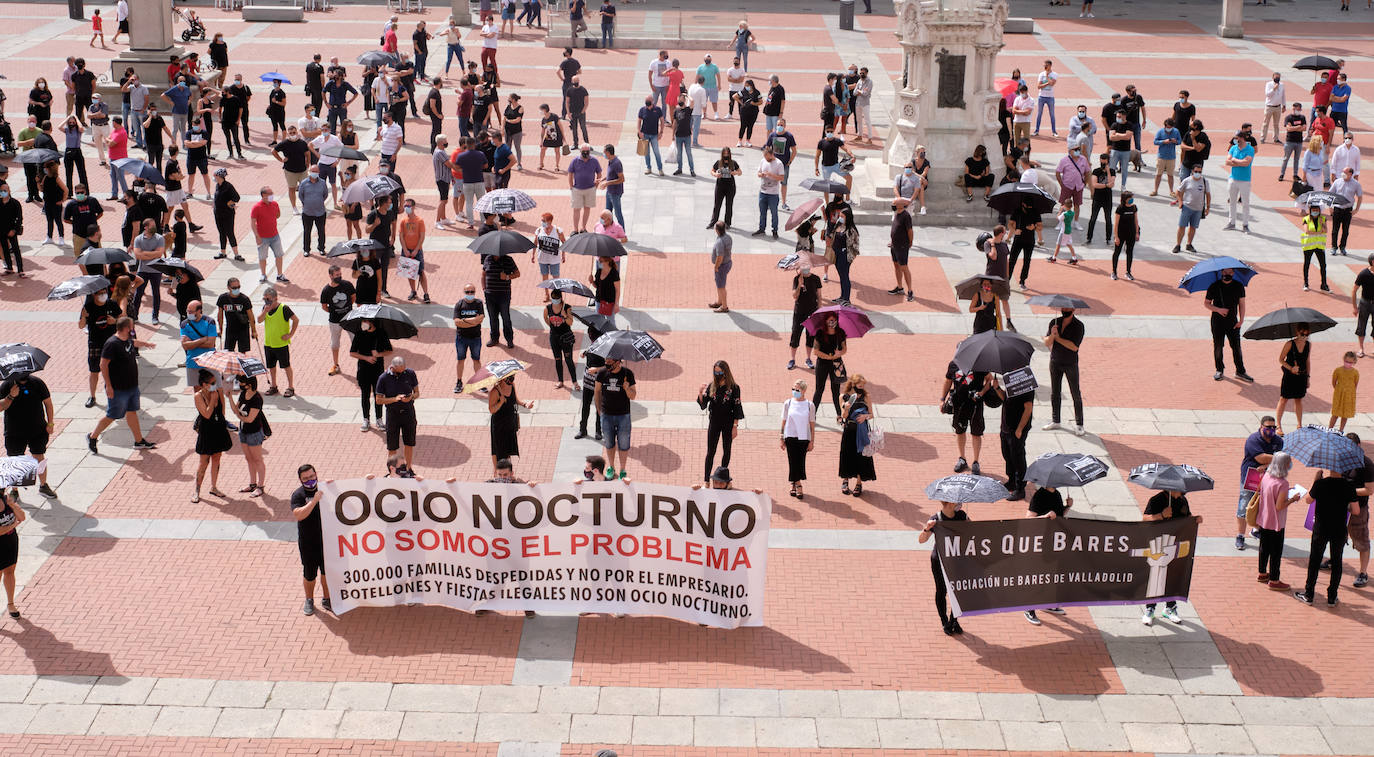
(326, 605)
(308, 608)
(1331, 602)
(1148, 618)
(1172, 616)
(896, 290)
(1325, 288)
(791, 365)
(581, 434)
(1326, 564)
(976, 469)
(91, 444)
(1129, 277)
(381, 425)
(954, 624)
(47, 491)
(1114, 276)
(1279, 586)
(1361, 580)
(1030, 618)
(910, 296)
(1079, 430)
(283, 279)
(1229, 227)
(1051, 426)
(810, 364)
(610, 472)
(458, 388)
(367, 425)
(1217, 376)
(1245, 377)
(1245, 228)
(144, 444)
(786, 207)
(1306, 288)
(1190, 248)
(1240, 542)
(1056, 611)
(961, 465)
(623, 473)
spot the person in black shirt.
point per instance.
(830, 349)
(983, 305)
(725, 170)
(370, 348)
(806, 298)
(615, 390)
(226, 205)
(1016, 424)
(498, 272)
(1064, 337)
(1047, 502)
(1196, 148)
(27, 405)
(1362, 301)
(336, 299)
(119, 369)
(253, 430)
(468, 313)
(682, 135)
(1025, 224)
(314, 82)
(365, 267)
(1166, 505)
(1294, 128)
(305, 508)
(1100, 182)
(233, 106)
(721, 398)
(1133, 105)
(98, 316)
(1226, 300)
(1335, 498)
(1119, 146)
(594, 364)
(294, 155)
(397, 390)
(234, 311)
(1127, 233)
(380, 228)
(948, 511)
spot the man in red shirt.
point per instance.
(1323, 125)
(118, 145)
(265, 214)
(1321, 91)
(389, 40)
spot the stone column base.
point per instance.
(1230, 32)
(150, 65)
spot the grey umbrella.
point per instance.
(1065, 469)
(79, 286)
(1171, 478)
(1057, 302)
(38, 157)
(345, 152)
(369, 188)
(963, 488)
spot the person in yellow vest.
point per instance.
(1314, 243)
(279, 324)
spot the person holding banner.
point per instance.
(798, 435)
(10, 517)
(615, 390)
(1169, 505)
(305, 508)
(948, 511)
(505, 423)
(721, 399)
(1046, 503)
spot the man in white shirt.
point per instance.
(697, 95)
(1082, 127)
(381, 96)
(770, 190)
(1021, 114)
(329, 164)
(1045, 97)
(308, 125)
(389, 137)
(489, 35)
(122, 17)
(1349, 188)
(1346, 156)
(1273, 108)
(658, 80)
(734, 77)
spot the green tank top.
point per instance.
(275, 328)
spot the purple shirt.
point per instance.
(615, 170)
(471, 163)
(584, 172)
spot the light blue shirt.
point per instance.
(1241, 151)
(197, 330)
(1168, 150)
(712, 73)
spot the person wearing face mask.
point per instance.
(468, 314)
(502, 402)
(28, 139)
(614, 391)
(279, 325)
(900, 238)
(826, 163)
(265, 234)
(212, 430)
(28, 408)
(749, 100)
(1239, 159)
(806, 297)
(1273, 107)
(1119, 142)
(1259, 451)
(178, 96)
(857, 416)
(72, 158)
(1064, 338)
(720, 397)
(1127, 233)
(154, 130)
(830, 350)
(371, 348)
(397, 390)
(1348, 187)
(558, 317)
(234, 317)
(1166, 141)
(81, 213)
(232, 103)
(411, 233)
(305, 508)
(1295, 362)
(1313, 241)
(1194, 196)
(1082, 129)
(226, 200)
(983, 305)
(294, 155)
(11, 228)
(797, 435)
(365, 268)
(584, 174)
(313, 191)
(1225, 299)
(547, 252)
(55, 195)
(336, 299)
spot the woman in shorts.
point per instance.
(11, 515)
(253, 431)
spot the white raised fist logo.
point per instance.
(1162, 551)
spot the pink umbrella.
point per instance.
(852, 321)
(802, 213)
(1005, 87)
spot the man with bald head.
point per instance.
(198, 336)
(397, 390)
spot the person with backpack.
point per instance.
(962, 398)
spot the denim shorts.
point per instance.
(1244, 501)
(549, 269)
(1189, 217)
(615, 431)
(126, 401)
(468, 346)
(251, 438)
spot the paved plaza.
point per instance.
(154, 625)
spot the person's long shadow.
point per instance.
(656, 457)
(757, 647)
(399, 632)
(446, 452)
(1262, 669)
(1028, 663)
(53, 656)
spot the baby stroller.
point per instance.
(194, 30)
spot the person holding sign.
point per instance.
(1170, 505)
(1046, 503)
(411, 230)
(948, 511)
(305, 508)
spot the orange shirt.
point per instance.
(412, 230)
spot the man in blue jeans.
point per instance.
(682, 135)
(650, 124)
(1045, 96)
(771, 172)
(615, 389)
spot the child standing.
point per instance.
(97, 28)
(1343, 382)
(1065, 239)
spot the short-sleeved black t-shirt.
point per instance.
(370, 343)
(382, 233)
(682, 122)
(829, 150)
(901, 231)
(772, 105)
(469, 309)
(1126, 216)
(338, 298)
(308, 529)
(605, 285)
(100, 320)
(1227, 295)
(614, 400)
(123, 357)
(1044, 502)
(1073, 332)
(246, 406)
(1120, 136)
(1159, 505)
(1012, 411)
(296, 154)
(1294, 126)
(1365, 281)
(25, 414)
(365, 291)
(493, 266)
(809, 298)
(1332, 496)
(830, 343)
(237, 309)
(569, 67)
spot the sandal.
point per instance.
(334, 371)
(800, 494)
(722, 309)
(289, 393)
(14, 613)
(858, 490)
(218, 493)
(844, 488)
(195, 498)
(248, 488)
(257, 492)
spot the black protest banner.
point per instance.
(1006, 565)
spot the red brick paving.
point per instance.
(198, 747)
(680, 751)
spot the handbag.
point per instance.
(671, 156)
(566, 150)
(1252, 511)
(1252, 480)
(876, 441)
(840, 374)
(642, 147)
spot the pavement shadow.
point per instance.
(1028, 663)
(687, 642)
(409, 632)
(753, 327)
(1262, 669)
(53, 656)
(656, 457)
(437, 451)
(838, 508)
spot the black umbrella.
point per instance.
(103, 256)
(1323, 199)
(1315, 63)
(79, 286)
(970, 286)
(353, 247)
(1057, 301)
(1170, 478)
(993, 352)
(379, 58)
(817, 184)
(391, 321)
(343, 151)
(141, 169)
(38, 157)
(1059, 469)
(569, 286)
(633, 346)
(501, 243)
(172, 266)
(594, 320)
(20, 357)
(1009, 197)
(1283, 324)
(598, 245)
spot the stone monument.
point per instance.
(150, 43)
(946, 100)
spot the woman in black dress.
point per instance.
(725, 170)
(721, 399)
(54, 197)
(276, 111)
(977, 173)
(983, 305)
(11, 515)
(558, 316)
(40, 100)
(551, 131)
(505, 424)
(748, 99)
(515, 132)
(948, 511)
(219, 55)
(857, 412)
(212, 432)
(1293, 361)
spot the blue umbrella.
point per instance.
(1208, 272)
(141, 169)
(1320, 447)
(274, 76)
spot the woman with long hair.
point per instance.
(54, 197)
(856, 414)
(606, 281)
(212, 431)
(749, 99)
(1294, 361)
(720, 397)
(725, 170)
(253, 430)
(353, 212)
(505, 424)
(11, 515)
(558, 317)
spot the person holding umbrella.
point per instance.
(370, 348)
(1294, 361)
(948, 511)
(1313, 240)
(28, 408)
(505, 422)
(857, 412)
(98, 315)
(983, 305)
(830, 349)
(1225, 299)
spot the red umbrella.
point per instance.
(802, 213)
(1005, 87)
(852, 321)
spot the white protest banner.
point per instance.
(639, 549)
(408, 268)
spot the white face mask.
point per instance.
(271, 198)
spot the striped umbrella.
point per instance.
(504, 201)
(231, 363)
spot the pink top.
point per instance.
(615, 230)
(1272, 491)
(118, 143)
